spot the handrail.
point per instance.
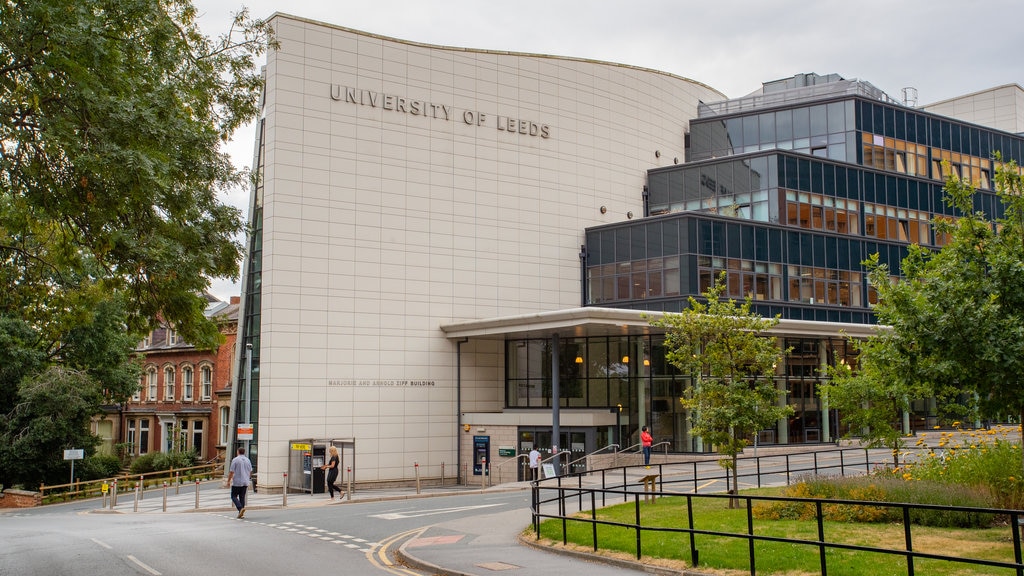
(497, 467)
(598, 451)
(555, 456)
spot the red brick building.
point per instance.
(183, 400)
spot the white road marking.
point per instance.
(400, 515)
(104, 544)
(143, 566)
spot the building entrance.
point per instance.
(574, 444)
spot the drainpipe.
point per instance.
(458, 409)
(583, 275)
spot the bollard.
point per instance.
(142, 491)
(135, 507)
(165, 496)
(177, 484)
(483, 473)
(416, 466)
(442, 474)
(284, 491)
(348, 493)
(113, 495)
(197, 494)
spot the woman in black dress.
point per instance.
(332, 474)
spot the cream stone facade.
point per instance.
(1001, 108)
(405, 187)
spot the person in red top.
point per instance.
(645, 441)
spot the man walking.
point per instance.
(239, 474)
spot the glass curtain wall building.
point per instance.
(787, 192)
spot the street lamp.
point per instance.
(248, 391)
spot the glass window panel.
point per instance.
(639, 285)
(836, 117)
(801, 125)
(784, 125)
(819, 121)
(735, 129)
(767, 127)
(750, 130)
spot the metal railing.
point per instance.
(594, 453)
(523, 459)
(593, 489)
(695, 526)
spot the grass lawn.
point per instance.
(725, 555)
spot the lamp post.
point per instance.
(248, 391)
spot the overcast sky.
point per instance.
(943, 48)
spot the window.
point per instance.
(143, 436)
(197, 437)
(206, 375)
(137, 396)
(130, 439)
(225, 423)
(172, 336)
(169, 383)
(152, 384)
(186, 383)
(148, 340)
(824, 286)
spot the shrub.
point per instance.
(881, 488)
(99, 466)
(145, 463)
(156, 461)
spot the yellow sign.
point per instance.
(298, 446)
(106, 487)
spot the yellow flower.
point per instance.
(908, 477)
(936, 427)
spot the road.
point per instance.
(350, 538)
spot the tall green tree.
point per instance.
(112, 117)
(725, 346)
(955, 318)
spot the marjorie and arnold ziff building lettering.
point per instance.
(435, 231)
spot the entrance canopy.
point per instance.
(595, 321)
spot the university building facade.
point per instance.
(445, 240)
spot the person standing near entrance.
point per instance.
(332, 474)
(239, 475)
(646, 440)
(534, 464)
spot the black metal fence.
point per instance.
(562, 497)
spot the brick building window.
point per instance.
(169, 383)
(206, 376)
(152, 384)
(224, 424)
(186, 383)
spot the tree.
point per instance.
(112, 113)
(725, 346)
(47, 402)
(112, 116)
(955, 319)
(873, 398)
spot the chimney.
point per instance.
(235, 299)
